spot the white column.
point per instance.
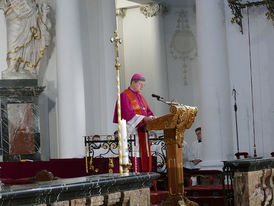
(98, 24)
(71, 99)
(3, 42)
(215, 87)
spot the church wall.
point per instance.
(96, 26)
(149, 45)
(182, 66)
(48, 78)
(261, 47)
(144, 52)
(93, 76)
(261, 31)
(165, 74)
(99, 58)
(147, 49)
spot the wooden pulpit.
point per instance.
(174, 126)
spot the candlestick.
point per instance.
(124, 142)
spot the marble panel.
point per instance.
(62, 203)
(254, 188)
(113, 198)
(97, 201)
(78, 202)
(20, 120)
(140, 197)
(20, 129)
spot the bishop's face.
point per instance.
(137, 86)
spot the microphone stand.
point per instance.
(161, 99)
(234, 93)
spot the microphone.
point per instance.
(161, 99)
(156, 96)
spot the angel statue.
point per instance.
(28, 37)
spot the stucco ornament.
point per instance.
(183, 43)
(152, 9)
(27, 37)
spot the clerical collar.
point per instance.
(132, 90)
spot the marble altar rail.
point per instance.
(249, 182)
(82, 188)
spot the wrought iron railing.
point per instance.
(107, 147)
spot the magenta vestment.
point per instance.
(127, 112)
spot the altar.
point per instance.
(249, 181)
(105, 189)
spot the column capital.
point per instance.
(121, 12)
(152, 9)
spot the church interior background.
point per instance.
(189, 51)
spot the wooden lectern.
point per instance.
(174, 126)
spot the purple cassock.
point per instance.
(127, 112)
(135, 124)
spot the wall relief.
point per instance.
(28, 37)
(183, 44)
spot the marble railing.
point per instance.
(249, 182)
(106, 189)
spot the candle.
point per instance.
(125, 159)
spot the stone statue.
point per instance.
(28, 37)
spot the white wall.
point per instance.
(182, 82)
(144, 52)
(48, 78)
(147, 48)
(86, 73)
(136, 54)
(262, 54)
(98, 25)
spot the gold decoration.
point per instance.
(121, 12)
(237, 6)
(126, 168)
(110, 165)
(91, 166)
(9, 8)
(35, 36)
(116, 40)
(109, 137)
(86, 158)
(135, 158)
(180, 119)
(270, 6)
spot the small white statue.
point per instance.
(28, 37)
